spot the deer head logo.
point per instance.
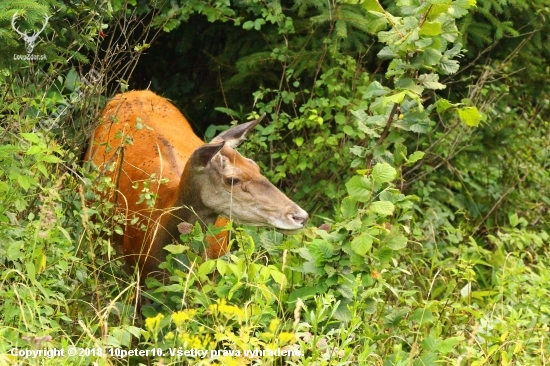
(29, 40)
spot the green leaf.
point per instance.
(258, 23)
(42, 168)
(362, 244)
(34, 149)
(448, 67)
(429, 344)
(70, 80)
(514, 220)
(343, 313)
(353, 225)
(32, 137)
(430, 29)
(311, 267)
(384, 255)
(455, 51)
(428, 359)
(277, 275)
(432, 56)
(395, 317)
(396, 98)
(25, 181)
(396, 242)
(399, 153)
(375, 89)
(384, 208)
(348, 208)
(340, 118)
(409, 84)
(449, 30)
(228, 111)
(305, 293)
(415, 156)
(175, 248)
(50, 159)
(234, 289)
(359, 188)
(460, 8)
(389, 37)
(470, 116)
(176, 287)
(148, 311)
(448, 344)
(348, 130)
(376, 21)
(118, 230)
(383, 173)
(422, 316)
(321, 250)
(304, 253)
(372, 5)
(431, 81)
(386, 53)
(329, 270)
(221, 266)
(442, 105)
(14, 250)
(170, 25)
(342, 101)
(248, 25)
(205, 268)
(299, 141)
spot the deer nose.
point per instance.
(300, 217)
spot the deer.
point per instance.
(144, 137)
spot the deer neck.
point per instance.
(190, 206)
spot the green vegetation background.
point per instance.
(415, 133)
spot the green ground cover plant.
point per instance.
(415, 133)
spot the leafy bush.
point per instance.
(429, 187)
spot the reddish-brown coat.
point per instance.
(203, 180)
(150, 153)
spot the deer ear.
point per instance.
(205, 153)
(235, 135)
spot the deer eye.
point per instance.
(232, 181)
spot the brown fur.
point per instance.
(197, 189)
(150, 153)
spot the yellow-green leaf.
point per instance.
(470, 116)
(32, 137)
(373, 5)
(415, 156)
(221, 266)
(430, 29)
(442, 105)
(396, 98)
(50, 159)
(42, 168)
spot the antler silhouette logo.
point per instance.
(29, 40)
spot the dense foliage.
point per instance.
(415, 133)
